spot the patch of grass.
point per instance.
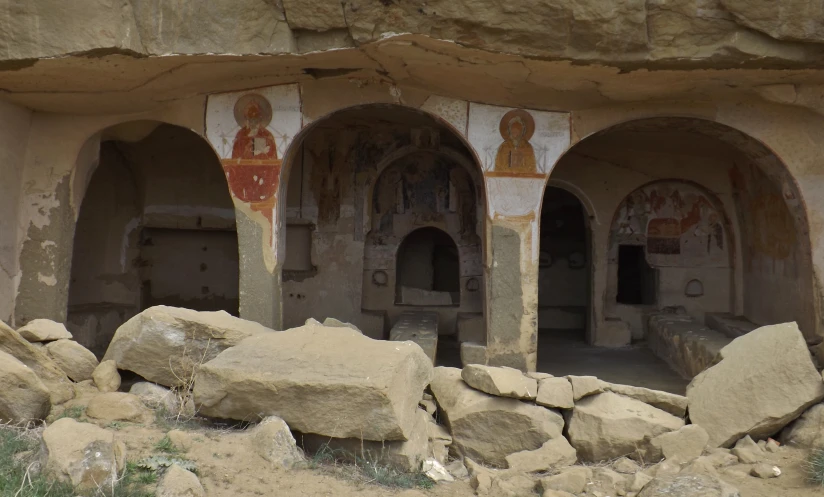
(74, 412)
(367, 467)
(815, 467)
(166, 446)
(17, 452)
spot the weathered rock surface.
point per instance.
(688, 485)
(807, 431)
(44, 330)
(329, 381)
(555, 393)
(118, 406)
(23, 396)
(764, 380)
(681, 445)
(81, 453)
(572, 480)
(59, 386)
(105, 376)
(583, 386)
(552, 454)
(501, 381)
(178, 482)
(156, 396)
(670, 402)
(273, 441)
(166, 344)
(487, 428)
(75, 360)
(608, 425)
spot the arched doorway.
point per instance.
(359, 182)
(564, 270)
(156, 227)
(698, 228)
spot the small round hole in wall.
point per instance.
(694, 288)
(472, 285)
(380, 278)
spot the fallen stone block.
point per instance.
(105, 376)
(488, 428)
(328, 381)
(272, 440)
(118, 406)
(75, 360)
(688, 485)
(806, 431)
(82, 454)
(571, 480)
(59, 385)
(607, 425)
(44, 330)
(765, 379)
(165, 345)
(178, 482)
(156, 396)
(552, 454)
(670, 402)
(419, 327)
(555, 393)
(682, 445)
(23, 397)
(584, 386)
(501, 381)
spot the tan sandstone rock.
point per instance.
(555, 393)
(328, 381)
(583, 386)
(670, 402)
(156, 396)
(23, 397)
(807, 430)
(118, 406)
(764, 380)
(552, 454)
(488, 428)
(83, 454)
(105, 376)
(500, 381)
(272, 440)
(688, 485)
(178, 482)
(572, 480)
(608, 425)
(75, 360)
(59, 386)
(44, 330)
(166, 344)
(681, 445)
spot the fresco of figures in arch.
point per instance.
(251, 132)
(678, 224)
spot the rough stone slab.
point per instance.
(684, 343)
(419, 327)
(486, 428)
(44, 330)
(75, 360)
(82, 454)
(552, 454)
(763, 381)
(165, 344)
(23, 397)
(688, 485)
(583, 386)
(118, 406)
(272, 440)
(670, 402)
(105, 376)
(555, 393)
(501, 382)
(682, 445)
(59, 385)
(328, 381)
(607, 425)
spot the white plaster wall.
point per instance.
(14, 130)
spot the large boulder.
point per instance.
(23, 396)
(488, 428)
(764, 380)
(166, 344)
(82, 454)
(59, 385)
(501, 382)
(328, 381)
(44, 330)
(806, 431)
(607, 425)
(688, 485)
(75, 360)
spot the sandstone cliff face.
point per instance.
(673, 31)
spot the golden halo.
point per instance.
(526, 118)
(253, 98)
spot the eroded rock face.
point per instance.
(166, 344)
(328, 381)
(607, 425)
(487, 428)
(59, 386)
(765, 379)
(83, 454)
(23, 397)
